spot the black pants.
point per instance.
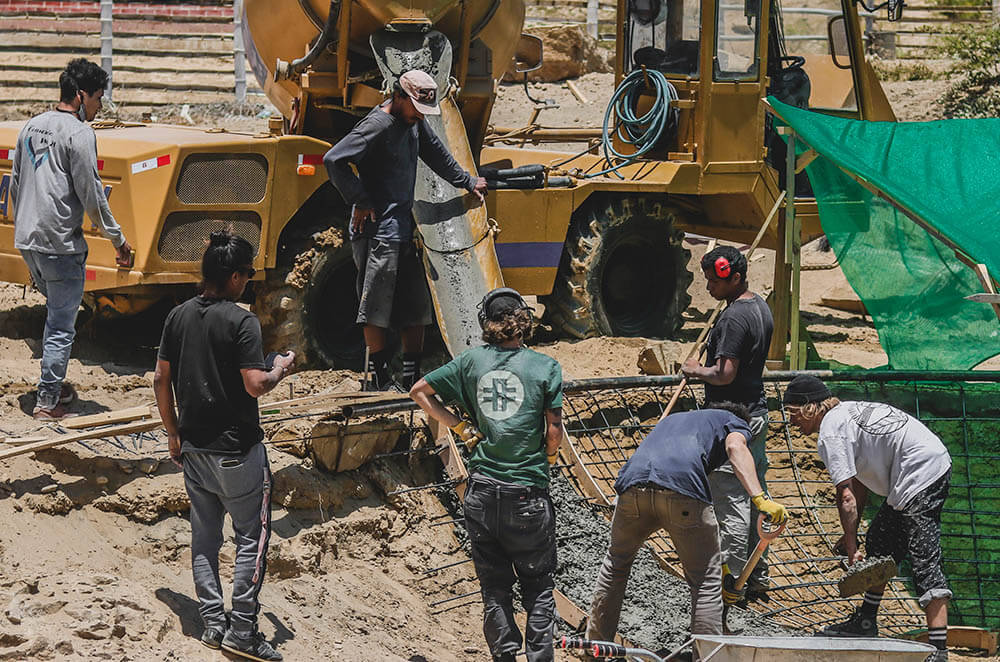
(513, 535)
(915, 532)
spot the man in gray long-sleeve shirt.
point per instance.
(54, 181)
(384, 147)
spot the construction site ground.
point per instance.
(99, 567)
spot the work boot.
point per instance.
(757, 588)
(213, 635)
(56, 413)
(938, 656)
(253, 648)
(504, 657)
(67, 394)
(858, 625)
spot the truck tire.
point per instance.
(623, 271)
(311, 308)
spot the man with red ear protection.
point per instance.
(54, 181)
(734, 362)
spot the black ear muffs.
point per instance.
(723, 268)
(495, 294)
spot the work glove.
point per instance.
(730, 595)
(553, 458)
(468, 433)
(775, 512)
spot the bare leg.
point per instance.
(374, 338)
(412, 338)
(937, 613)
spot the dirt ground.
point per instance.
(98, 567)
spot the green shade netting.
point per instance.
(947, 173)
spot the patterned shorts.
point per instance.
(915, 532)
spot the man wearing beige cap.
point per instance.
(392, 289)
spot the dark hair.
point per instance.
(734, 408)
(226, 254)
(511, 325)
(737, 261)
(81, 74)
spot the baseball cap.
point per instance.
(422, 90)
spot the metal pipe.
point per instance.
(106, 51)
(288, 70)
(239, 53)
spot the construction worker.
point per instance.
(665, 485)
(874, 447)
(736, 349)
(392, 288)
(54, 180)
(210, 364)
(514, 396)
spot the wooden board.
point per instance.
(576, 617)
(110, 417)
(967, 637)
(586, 481)
(451, 458)
(63, 439)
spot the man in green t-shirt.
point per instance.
(514, 395)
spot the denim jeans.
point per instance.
(692, 527)
(60, 278)
(737, 516)
(241, 486)
(512, 530)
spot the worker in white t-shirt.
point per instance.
(873, 447)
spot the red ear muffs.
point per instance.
(722, 267)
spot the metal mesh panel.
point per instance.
(185, 233)
(222, 179)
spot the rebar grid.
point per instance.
(608, 422)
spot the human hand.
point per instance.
(730, 595)
(479, 189)
(359, 216)
(690, 367)
(285, 361)
(774, 511)
(553, 458)
(468, 433)
(174, 448)
(124, 257)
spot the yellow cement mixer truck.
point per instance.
(596, 234)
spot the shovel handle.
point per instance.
(765, 539)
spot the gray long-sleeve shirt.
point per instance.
(384, 149)
(54, 181)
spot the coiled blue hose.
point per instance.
(643, 132)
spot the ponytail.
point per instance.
(226, 254)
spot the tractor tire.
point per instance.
(310, 307)
(623, 271)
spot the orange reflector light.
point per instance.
(306, 170)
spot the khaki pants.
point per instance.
(694, 531)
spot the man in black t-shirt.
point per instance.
(736, 350)
(210, 360)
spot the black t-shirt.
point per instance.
(207, 342)
(743, 332)
(681, 451)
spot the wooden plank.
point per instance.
(984, 277)
(110, 417)
(967, 637)
(578, 468)
(454, 466)
(21, 441)
(63, 439)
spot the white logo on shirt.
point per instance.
(878, 419)
(500, 394)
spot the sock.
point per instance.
(378, 369)
(938, 638)
(411, 369)
(870, 605)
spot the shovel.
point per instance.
(766, 535)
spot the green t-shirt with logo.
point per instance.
(506, 391)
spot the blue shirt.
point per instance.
(681, 451)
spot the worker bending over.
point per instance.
(665, 485)
(869, 446)
(514, 396)
(737, 348)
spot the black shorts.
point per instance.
(915, 532)
(392, 287)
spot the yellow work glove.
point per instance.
(553, 458)
(775, 512)
(468, 433)
(730, 595)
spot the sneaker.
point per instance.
(937, 656)
(254, 648)
(56, 413)
(67, 394)
(857, 625)
(213, 635)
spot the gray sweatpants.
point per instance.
(240, 486)
(737, 516)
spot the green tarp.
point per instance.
(948, 174)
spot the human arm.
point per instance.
(257, 382)
(163, 389)
(435, 154)
(553, 433)
(90, 190)
(743, 467)
(425, 396)
(351, 149)
(852, 496)
(720, 374)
